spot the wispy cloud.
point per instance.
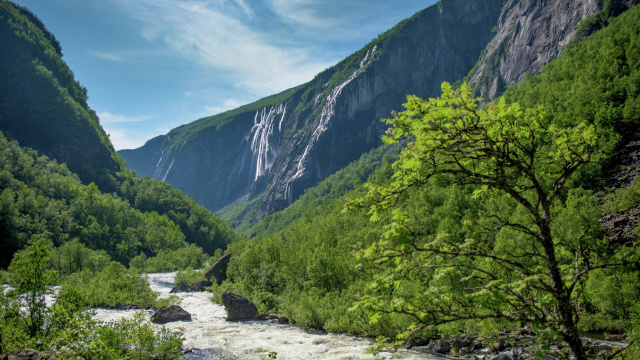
(227, 105)
(109, 118)
(106, 56)
(217, 38)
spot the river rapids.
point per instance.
(212, 337)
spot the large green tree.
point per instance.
(527, 247)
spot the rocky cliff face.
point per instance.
(276, 148)
(528, 35)
(280, 146)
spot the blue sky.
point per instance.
(152, 65)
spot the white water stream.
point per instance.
(216, 338)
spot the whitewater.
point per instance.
(212, 337)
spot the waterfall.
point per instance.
(261, 134)
(328, 110)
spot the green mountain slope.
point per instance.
(41, 104)
(43, 108)
(308, 270)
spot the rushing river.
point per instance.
(215, 338)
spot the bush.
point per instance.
(188, 276)
(114, 284)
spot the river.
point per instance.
(212, 337)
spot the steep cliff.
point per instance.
(531, 33)
(281, 145)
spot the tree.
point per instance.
(28, 268)
(529, 245)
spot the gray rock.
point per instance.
(171, 313)
(440, 346)
(218, 271)
(529, 34)
(238, 307)
(182, 288)
(499, 345)
(283, 320)
(198, 286)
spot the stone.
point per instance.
(30, 354)
(198, 286)
(499, 345)
(182, 288)
(171, 313)
(238, 307)
(439, 346)
(218, 271)
(501, 357)
(282, 320)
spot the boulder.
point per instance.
(29, 354)
(439, 346)
(171, 313)
(238, 307)
(182, 288)
(218, 271)
(283, 320)
(198, 286)
(499, 345)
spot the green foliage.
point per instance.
(626, 198)
(39, 196)
(43, 106)
(115, 284)
(135, 339)
(28, 272)
(188, 276)
(513, 257)
(599, 20)
(26, 322)
(73, 256)
(190, 256)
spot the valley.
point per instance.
(468, 174)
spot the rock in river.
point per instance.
(171, 313)
(238, 307)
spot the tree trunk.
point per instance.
(563, 300)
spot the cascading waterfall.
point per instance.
(157, 172)
(261, 133)
(328, 110)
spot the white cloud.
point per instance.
(126, 139)
(106, 56)
(227, 105)
(213, 36)
(109, 118)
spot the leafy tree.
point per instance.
(529, 247)
(28, 271)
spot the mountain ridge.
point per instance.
(280, 149)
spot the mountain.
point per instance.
(43, 106)
(55, 156)
(277, 147)
(531, 33)
(265, 154)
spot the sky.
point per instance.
(152, 65)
